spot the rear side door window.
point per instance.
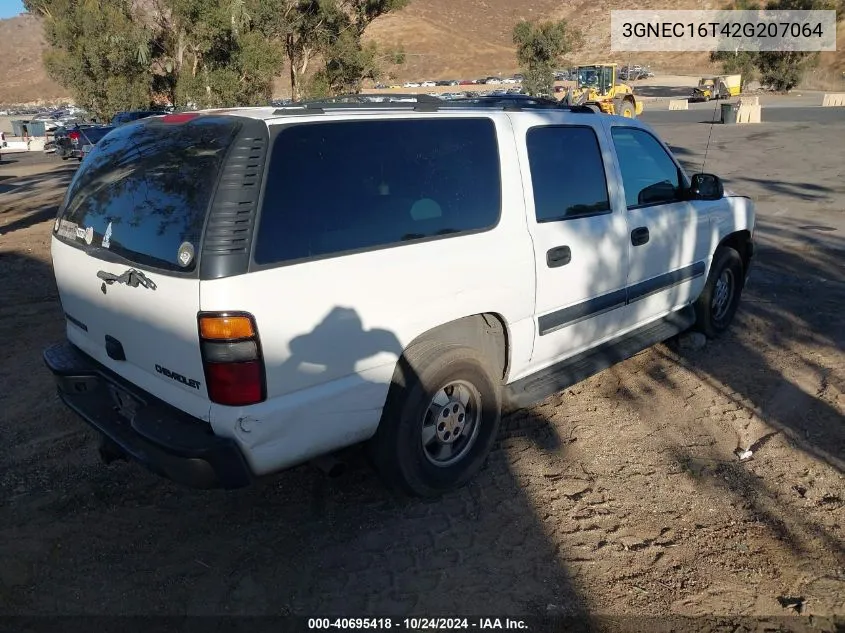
(649, 175)
(350, 186)
(565, 188)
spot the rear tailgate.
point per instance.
(126, 248)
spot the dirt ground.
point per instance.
(621, 497)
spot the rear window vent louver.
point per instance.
(231, 222)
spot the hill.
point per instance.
(472, 38)
(23, 78)
(442, 39)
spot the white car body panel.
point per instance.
(155, 327)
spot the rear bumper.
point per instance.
(162, 438)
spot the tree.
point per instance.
(740, 62)
(210, 53)
(783, 70)
(98, 50)
(126, 54)
(780, 70)
(347, 63)
(539, 48)
(327, 30)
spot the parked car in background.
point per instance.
(66, 140)
(89, 137)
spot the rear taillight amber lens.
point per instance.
(223, 328)
(231, 357)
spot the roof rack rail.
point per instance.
(376, 98)
(341, 101)
(427, 103)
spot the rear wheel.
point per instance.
(717, 305)
(440, 420)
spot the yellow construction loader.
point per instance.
(596, 86)
(719, 87)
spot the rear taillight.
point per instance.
(231, 357)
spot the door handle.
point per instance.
(639, 236)
(558, 256)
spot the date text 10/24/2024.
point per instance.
(416, 624)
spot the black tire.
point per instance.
(627, 110)
(397, 450)
(714, 311)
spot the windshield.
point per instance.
(144, 190)
(588, 76)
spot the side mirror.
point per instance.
(706, 187)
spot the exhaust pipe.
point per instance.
(329, 465)
(110, 452)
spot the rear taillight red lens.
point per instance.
(235, 384)
(231, 356)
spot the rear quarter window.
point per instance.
(145, 189)
(348, 186)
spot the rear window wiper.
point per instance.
(130, 277)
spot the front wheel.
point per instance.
(717, 305)
(440, 420)
(627, 110)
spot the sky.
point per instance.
(10, 8)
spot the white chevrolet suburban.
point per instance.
(250, 289)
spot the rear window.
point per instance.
(144, 190)
(355, 185)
